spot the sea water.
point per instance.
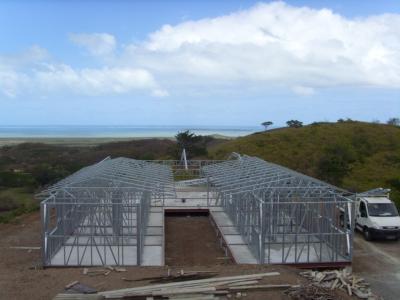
(103, 131)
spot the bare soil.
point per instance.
(20, 280)
(190, 240)
(378, 262)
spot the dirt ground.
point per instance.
(379, 263)
(195, 245)
(20, 280)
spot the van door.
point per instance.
(362, 216)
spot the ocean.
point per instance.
(119, 131)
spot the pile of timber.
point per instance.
(204, 289)
(341, 279)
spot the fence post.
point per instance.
(262, 233)
(138, 235)
(44, 220)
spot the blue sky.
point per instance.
(198, 63)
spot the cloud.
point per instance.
(61, 78)
(267, 46)
(277, 44)
(100, 81)
(303, 90)
(32, 71)
(97, 44)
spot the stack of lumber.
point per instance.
(204, 289)
(341, 279)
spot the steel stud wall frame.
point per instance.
(284, 216)
(98, 215)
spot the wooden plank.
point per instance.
(78, 297)
(24, 248)
(71, 284)
(179, 291)
(134, 291)
(261, 287)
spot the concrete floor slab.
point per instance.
(154, 230)
(155, 219)
(95, 256)
(242, 254)
(153, 240)
(239, 249)
(227, 230)
(156, 209)
(153, 256)
(235, 239)
(222, 219)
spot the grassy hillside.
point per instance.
(354, 155)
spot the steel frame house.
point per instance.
(98, 215)
(284, 216)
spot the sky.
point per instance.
(198, 62)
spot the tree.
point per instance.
(195, 145)
(185, 139)
(266, 124)
(393, 121)
(294, 123)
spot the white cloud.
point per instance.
(278, 44)
(97, 44)
(101, 81)
(56, 78)
(303, 90)
(263, 47)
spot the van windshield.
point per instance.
(382, 210)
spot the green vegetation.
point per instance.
(14, 202)
(195, 145)
(354, 155)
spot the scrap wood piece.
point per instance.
(24, 248)
(262, 287)
(71, 284)
(120, 269)
(78, 297)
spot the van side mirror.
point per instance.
(363, 214)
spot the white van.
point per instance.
(376, 215)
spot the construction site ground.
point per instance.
(22, 278)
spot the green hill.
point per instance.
(353, 155)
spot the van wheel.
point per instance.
(367, 234)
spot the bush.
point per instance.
(335, 163)
(13, 179)
(45, 174)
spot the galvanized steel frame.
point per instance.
(100, 210)
(278, 210)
